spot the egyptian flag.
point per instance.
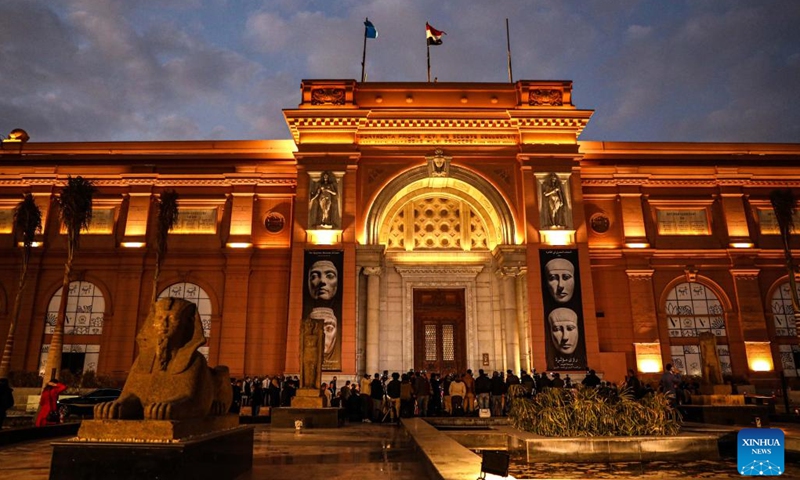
(434, 36)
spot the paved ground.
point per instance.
(371, 451)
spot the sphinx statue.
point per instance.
(170, 379)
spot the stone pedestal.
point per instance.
(717, 400)
(221, 455)
(153, 430)
(311, 417)
(307, 398)
(715, 390)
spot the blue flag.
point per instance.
(370, 31)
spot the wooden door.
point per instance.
(439, 330)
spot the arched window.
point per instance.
(782, 311)
(785, 326)
(198, 296)
(86, 307)
(693, 308)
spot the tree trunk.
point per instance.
(53, 366)
(12, 327)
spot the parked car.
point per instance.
(84, 405)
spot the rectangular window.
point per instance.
(430, 343)
(448, 343)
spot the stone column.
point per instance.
(373, 318)
(522, 319)
(507, 277)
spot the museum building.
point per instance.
(436, 226)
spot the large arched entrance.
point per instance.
(440, 289)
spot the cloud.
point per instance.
(82, 70)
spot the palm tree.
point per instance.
(75, 213)
(167, 216)
(784, 205)
(27, 222)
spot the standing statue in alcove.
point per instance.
(554, 201)
(323, 203)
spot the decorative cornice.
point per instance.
(748, 274)
(640, 275)
(157, 182)
(510, 272)
(368, 271)
(439, 272)
(587, 181)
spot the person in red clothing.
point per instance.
(49, 401)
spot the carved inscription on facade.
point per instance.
(546, 97)
(196, 221)
(102, 222)
(433, 139)
(769, 225)
(683, 221)
(327, 96)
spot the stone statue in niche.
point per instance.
(554, 202)
(312, 341)
(439, 164)
(323, 203)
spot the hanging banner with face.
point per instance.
(322, 299)
(565, 346)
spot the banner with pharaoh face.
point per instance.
(322, 300)
(565, 345)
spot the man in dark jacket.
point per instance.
(498, 394)
(483, 389)
(376, 393)
(422, 388)
(591, 379)
(393, 392)
(527, 383)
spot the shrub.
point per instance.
(590, 412)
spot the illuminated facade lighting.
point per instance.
(759, 356)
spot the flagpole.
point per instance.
(429, 61)
(508, 46)
(364, 53)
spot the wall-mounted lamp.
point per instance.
(759, 356)
(648, 357)
(558, 237)
(238, 244)
(324, 237)
(33, 244)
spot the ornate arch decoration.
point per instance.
(778, 308)
(703, 280)
(91, 295)
(195, 293)
(216, 306)
(462, 183)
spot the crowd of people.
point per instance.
(384, 397)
